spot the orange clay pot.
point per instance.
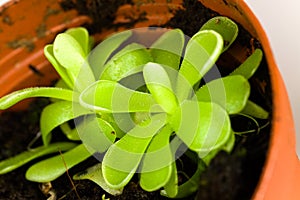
(27, 25)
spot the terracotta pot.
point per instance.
(27, 25)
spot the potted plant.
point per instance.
(123, 19)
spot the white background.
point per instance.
(281, 20)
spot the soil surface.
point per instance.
(233, 176)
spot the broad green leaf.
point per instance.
(63, 112)
(17, 96)
(96, 134)
(14, 162)
(48, 52)
(112, 97)
(255, 110)
(231, 92)
(157, 162)
(71, 56)
(167, 49)
(160, 87)
(192, 185)
(171, 188)
(81, 35)
(101, 53)
(52, 168)
(201, 53)
(128, 61)
(202, 126)
(225, 27)
(123, 157)
(250, 65)
(94, 174)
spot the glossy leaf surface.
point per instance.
(52, 168)
(225, 27)
(157, 162)
(14, 162)
(63, 112)
(160, 86)
(123, 157)
(231, 92)
(17, 96)
(102, 52)
(112, 97)
(128, 61)
(201, 53)
(96, 134)
(167, 52)
(209, 128)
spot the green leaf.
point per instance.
(14, 162)
(255, 110)
(128, 61)
(81, 35)
(209, 128)
(17, 96)
(63, 112)
(250, 65)
(112, 97)
(225, 27)
(160, 87)
(101, 53)
(52, 168)
(192, 185)
(157, 162)
(201, 53)
(171, 188)
(123, 158)
(96, 134)
(48, 52)
(71, 56)
(94, 174)
(231, 92)
(167, 52)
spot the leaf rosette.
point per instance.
(141, 107)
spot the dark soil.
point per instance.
(16, 131)
(233, 176)
(101, 11)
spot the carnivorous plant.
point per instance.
(139, 106)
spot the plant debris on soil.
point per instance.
(229, 176)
